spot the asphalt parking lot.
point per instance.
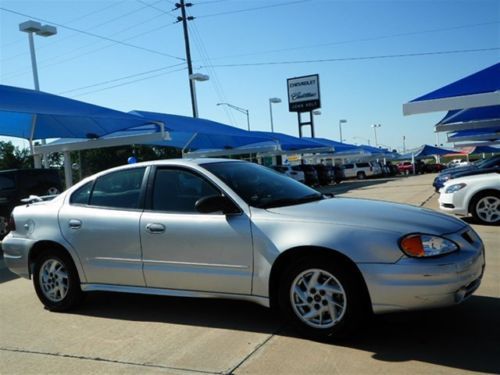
(121, 333)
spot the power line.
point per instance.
(128, 83)
(23, 72)
(254, 8)
(120, 79)
(209, 2)
(359, 58)
(215, 82)
(76, 19)
(368, 39)
(93, 35)
(152, 6)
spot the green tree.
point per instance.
(13, 157)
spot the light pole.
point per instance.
(31, 27)
(239, 109)
(375, 126)
(340, 128)
(200, 78)
(271, 101)
(404, 144)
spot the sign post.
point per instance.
(304, 96)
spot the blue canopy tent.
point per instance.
(481, 89)
(474, 118)
(484, 150)
(337, 147)
(33, 115)
(425, 151)
(195, 134)
(491, 135)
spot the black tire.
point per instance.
(478, 200)
(355, 301)
(361, 175)
(73, 295)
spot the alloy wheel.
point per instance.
(318, 298)
(488, 209)
(53, 279)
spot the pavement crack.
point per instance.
(427, 200)
(238, 365)
(107, 360)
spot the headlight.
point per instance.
(446, 177)
(426, 245)
(454, 188)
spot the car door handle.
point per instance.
(155, 228)
(75, 224)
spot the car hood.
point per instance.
(375, 214)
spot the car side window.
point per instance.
(118, 189)
(177, 190)
(82, 195)
(348, 166)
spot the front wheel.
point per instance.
(485, 208)
(361, 175)
(56, 281)
(321, 299)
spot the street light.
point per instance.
(200, 78)
(316, 112)
(271, 101)
(31, 27)
(375, 126)
(340, 128)
(239, 109)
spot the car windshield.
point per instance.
(262, 187)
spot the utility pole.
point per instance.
(182, 5)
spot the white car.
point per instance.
(478, 195)
(360, 170)
(458, 163)
(293, 172)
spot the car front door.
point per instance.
(184, 249)
(101, 222)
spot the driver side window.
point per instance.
(177, 190)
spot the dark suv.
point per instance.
(16, 184)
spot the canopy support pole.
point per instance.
(187, 144)
(37, 159)
(413, 162)
(68, 173)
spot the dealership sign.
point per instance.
(303, 93)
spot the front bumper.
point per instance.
(453, 203)
(413, 284)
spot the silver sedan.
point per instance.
(231, 229)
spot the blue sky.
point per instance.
(277, 33)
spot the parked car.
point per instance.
(16, 184)
(359, 170)
(289, 171)
(458, 163)
(480, 167)
(376, 168)
(233, 229)
(478, 195)
(326, 174)
(310, 174)
(433, 167)
(405, 167)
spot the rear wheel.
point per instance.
(56, 281)
(485, 207)
(320, 298)
(361, 175)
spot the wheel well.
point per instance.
(294, 255)
(40, 247)
(479, 194)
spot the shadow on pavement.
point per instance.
(5, 274)
(464, 337)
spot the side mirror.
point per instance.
(216, 203)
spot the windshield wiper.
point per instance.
(292, 201)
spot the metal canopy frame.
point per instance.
(467, 125)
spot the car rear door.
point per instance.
(184, 249)
(101, 222)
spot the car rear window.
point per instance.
(118, 189)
